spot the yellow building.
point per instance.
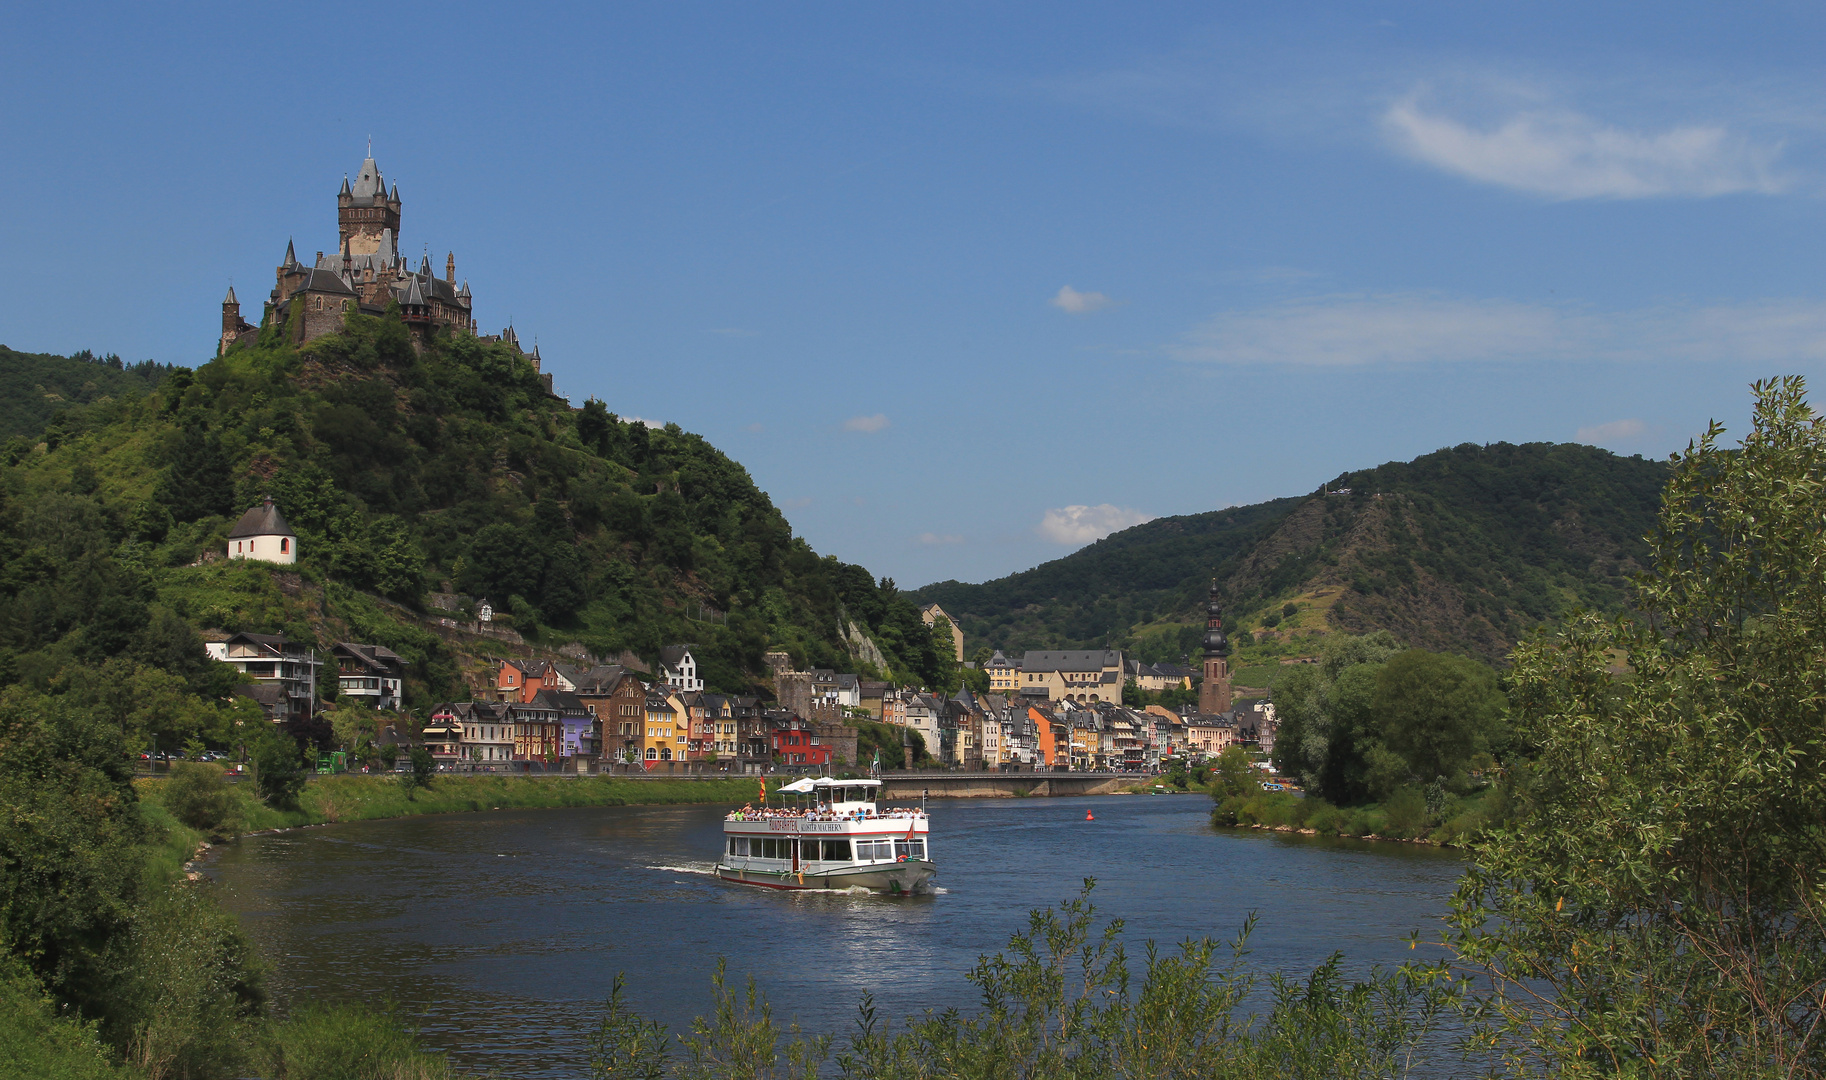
(1004, 677)
(931, 613)
(1082, 675)
(667, 729)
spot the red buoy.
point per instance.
(1088, 816)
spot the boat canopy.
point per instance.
(827, 782)
(801, 786)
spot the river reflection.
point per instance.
(501, 933)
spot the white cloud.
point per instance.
(868, 425)
(937, 540)
(652, 424)
(1612, 432)
(1562, 154)
(1356, 329)
(1079, 525)
(1079, 303)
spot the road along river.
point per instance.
(499, 934)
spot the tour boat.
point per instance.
(834, 838)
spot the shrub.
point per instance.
(347, 1043)
(197, 795)
(1406, 811)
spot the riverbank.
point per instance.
(332, 799)
(1456, 822)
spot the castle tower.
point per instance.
(1214, 694)
(366, 215)
(233, 326)
(450, 267)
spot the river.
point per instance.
(499, 934)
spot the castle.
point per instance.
(365, 274)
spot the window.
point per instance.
(285, 545)
(652, 754)
(837, 850)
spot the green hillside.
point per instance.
(34, 387)
(403, 473)
(1461, 550)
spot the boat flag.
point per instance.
(763, 791)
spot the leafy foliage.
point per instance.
(1656, 908)
(1373, 718)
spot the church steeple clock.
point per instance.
(1214, 694)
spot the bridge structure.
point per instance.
(1005, 785)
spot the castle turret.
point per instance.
(1214, 694)
(366, 217)
(450, 267)
(233, 326)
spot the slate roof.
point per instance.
(320, 280)
(377, 657)
(262, 520)
(1072, 660)
(672, 655)
(370, 187)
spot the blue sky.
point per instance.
(967, 285)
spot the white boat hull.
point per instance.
(894, 878)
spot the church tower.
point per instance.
(1214, 694)
(366, 215)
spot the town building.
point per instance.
(274, 660)
(618, 701)
(1085, 676)
(538, 734)
(678, 669)
(1004, 674)
(368, 675)
(487, 734)
(263, 536)
(665, 732)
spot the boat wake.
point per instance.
(709, 871)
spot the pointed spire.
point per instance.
(345, 185)
(395, 196)
(463, 292)
(291, 257)
(230, 298)
(424, 265)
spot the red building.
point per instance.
(796, 742)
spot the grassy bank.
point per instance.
(368, 798)
(1454, 822)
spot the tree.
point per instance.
(424, 767)
(1438, 714)
(69, 829)
(1656, 909)
(198, 482)
(278, 768)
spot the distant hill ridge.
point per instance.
(1462, 550)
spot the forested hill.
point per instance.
(35, 387)
(1461, 550)
(402, 471)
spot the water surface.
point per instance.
(501, 933)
